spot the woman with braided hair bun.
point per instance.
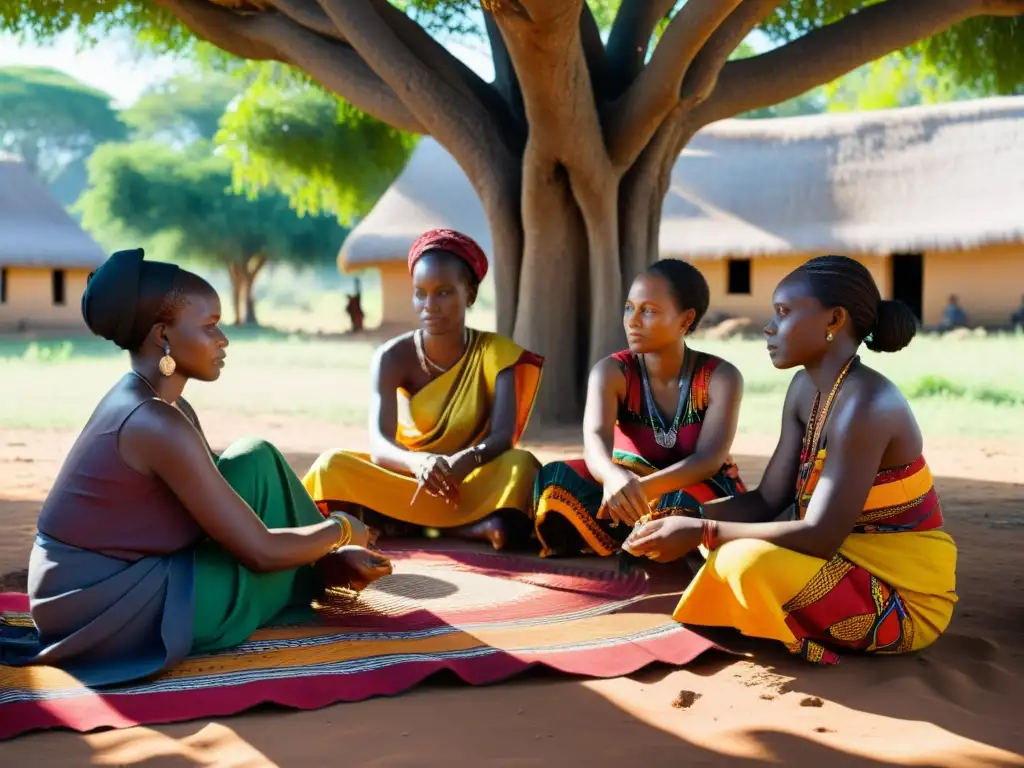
(149, 545)
(866, 565)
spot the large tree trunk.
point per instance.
(571, 148)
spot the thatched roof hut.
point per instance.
(35, 231)
(45, 257)
(919, 182)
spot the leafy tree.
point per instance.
(327, 156)
(183, 109)
(155, 190)
(51, 119)
(570, 148)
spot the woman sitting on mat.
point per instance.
(149, 546)
(660, 419)
(448, 408)
(866, 565)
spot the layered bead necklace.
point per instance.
(815, 428)
(429, 366)
(665, 436)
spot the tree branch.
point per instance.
(505, 80)
(273, 37)
(830, 52)
(226, 30)
(629, 38)
(593, 51)
(440, 59)
(460, 123)
(633, 118)
(702, 76)
(306, 13)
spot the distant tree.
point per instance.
(183, 109)
(154, 190)
(52, 120)
(287, 133)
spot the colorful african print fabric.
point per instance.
(567, 497)
(889, 589)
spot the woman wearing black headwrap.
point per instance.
(150, 546)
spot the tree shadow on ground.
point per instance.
(541, 720)
(968, 684)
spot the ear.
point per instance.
(686, 320)
(838, 319)
(157, 336)
(471, 295)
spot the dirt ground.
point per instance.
(955, 704)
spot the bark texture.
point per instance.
(571, 147)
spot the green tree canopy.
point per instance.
(570, 147)
(183, 109)
(51, 119)
(326, 155)
(155, 190)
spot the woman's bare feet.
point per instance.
(491, 529)
(353, 567)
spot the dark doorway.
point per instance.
(57, 287)
(739, 277)
(907, 273)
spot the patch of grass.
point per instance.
(972, 387)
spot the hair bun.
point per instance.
(894, 329)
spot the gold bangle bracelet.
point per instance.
(344, 530)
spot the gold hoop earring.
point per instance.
(829, 337)
(167, 365)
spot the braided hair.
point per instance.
(839, 281)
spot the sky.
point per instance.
(114, 67)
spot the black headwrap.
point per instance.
(124, 296)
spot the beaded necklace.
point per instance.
(665, 436)
(815, 427)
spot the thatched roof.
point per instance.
(940, 177)
(431, 192)
(35, 231)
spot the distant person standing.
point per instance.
(354, 308)
(1017, 318)
(953, 316)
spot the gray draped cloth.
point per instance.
(102, 619)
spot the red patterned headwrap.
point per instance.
(455, 243)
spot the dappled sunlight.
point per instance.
(211, 744)
(745, 710)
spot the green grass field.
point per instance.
(969, 387)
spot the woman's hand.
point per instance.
(665, 540)
(436, 479)
(624, 498)
(353, 567)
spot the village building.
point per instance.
(45, 257)
(929, 198)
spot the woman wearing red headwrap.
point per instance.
(449, 406)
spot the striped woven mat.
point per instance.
(483, 616)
